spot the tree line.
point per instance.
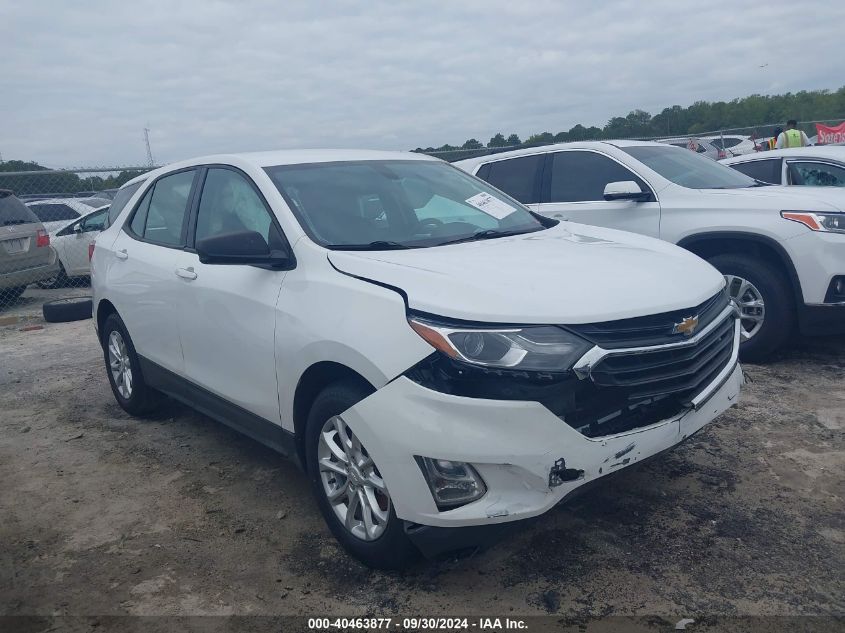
(701, 116)
(62, 182)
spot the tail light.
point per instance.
(90, 251)
(722, 154)
(42, 238)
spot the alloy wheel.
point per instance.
(750, 302)
(119, 365)
(351, 481)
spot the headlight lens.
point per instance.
(825, 222)
(535, 348)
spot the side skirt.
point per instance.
(261, 430)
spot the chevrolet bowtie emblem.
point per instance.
(686, 327)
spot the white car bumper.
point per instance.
(513, 445)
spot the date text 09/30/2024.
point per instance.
(417, 624)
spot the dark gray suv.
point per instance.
(25, 253)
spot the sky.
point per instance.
(79, 81)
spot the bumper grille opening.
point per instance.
(629, 391)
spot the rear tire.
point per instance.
(391, 548)
(129, 389)
(778, 303)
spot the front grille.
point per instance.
(654, 329)
(626, 391)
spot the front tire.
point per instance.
(124, 371)
(766, 303)
(347, 483)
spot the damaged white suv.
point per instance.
(441, 361)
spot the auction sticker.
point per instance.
(490, 205)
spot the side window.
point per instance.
(517, 177)
(230, 203)
(120, 200)
(817, 174)
(168, 207)
(582, 176)
(95, 221)
(763, 170)
(139, 220)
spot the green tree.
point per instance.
(514, 139)
(472, 144)
(498, 140)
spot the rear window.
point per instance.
(768, 170)
(517, 177)
(54, 212)
(13, 211)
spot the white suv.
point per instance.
(782, 249)
(440, 360)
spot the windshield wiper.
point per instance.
(378, 245)
(486, 234)
(15, 222)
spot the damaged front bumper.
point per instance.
(529, 459)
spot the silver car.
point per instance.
(25, 253)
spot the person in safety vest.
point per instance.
(792, 137)
(770, 144)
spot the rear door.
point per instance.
(143, 279)
(227, 313)
(573, 189)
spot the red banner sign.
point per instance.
(828, 135)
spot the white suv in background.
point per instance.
(781, 249)
(440, 360)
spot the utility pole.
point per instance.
(149, 151)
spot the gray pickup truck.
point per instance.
(25, 253)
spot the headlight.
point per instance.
(542, 348)
(826, 222)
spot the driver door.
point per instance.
(573, 189)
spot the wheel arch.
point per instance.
(104, 309)
(313, 380)
(707, 245)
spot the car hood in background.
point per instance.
(570, 273)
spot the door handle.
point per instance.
(186, 273)
(560, 215)
(121, 254)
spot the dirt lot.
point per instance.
(103, 514)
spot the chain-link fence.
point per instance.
(48, 221)
(715, 144)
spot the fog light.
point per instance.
(451, 483)
(836, 290)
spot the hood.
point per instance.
(567, 274)
(781, 198)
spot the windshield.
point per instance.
(688, 169)
(396, 204)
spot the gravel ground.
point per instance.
(103, 514)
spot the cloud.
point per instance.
(81, 81)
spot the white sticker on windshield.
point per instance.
(490, 205)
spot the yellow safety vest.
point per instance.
(792, 138)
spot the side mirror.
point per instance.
(77, 228)
(240, 247)
(625, 190)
